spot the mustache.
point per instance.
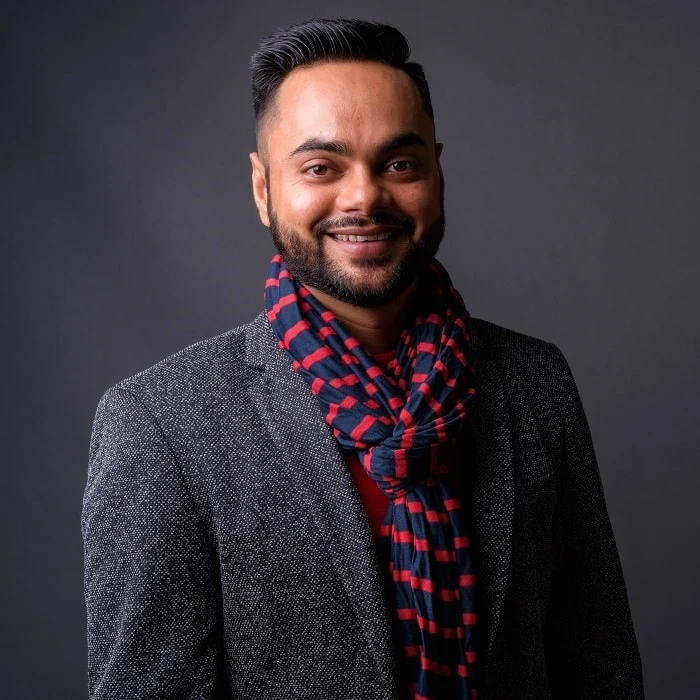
(403, 223)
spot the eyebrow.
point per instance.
(342, 148)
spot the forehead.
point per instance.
(355, 101)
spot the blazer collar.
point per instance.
(313, 456)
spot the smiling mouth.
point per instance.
(354, 238)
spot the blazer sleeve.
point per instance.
(590, 641)
(151, 591)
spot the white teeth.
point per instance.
(361, 239)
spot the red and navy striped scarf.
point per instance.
(403, 422)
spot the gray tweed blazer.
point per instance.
(227, 554)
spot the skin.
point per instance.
(344, 142)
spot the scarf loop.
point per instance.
(402, 422)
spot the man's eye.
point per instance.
(402, 166)
(317, 170)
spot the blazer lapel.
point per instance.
(295, 422)
(493, 496)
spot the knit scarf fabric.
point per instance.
(403, 422)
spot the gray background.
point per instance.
(128, 230)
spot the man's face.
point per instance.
(348, 180)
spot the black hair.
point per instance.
(321, 40)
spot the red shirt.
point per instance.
(374, 501)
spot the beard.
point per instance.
(387, 277)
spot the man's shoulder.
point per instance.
(221, 364)
(512, 350)
(533, 372)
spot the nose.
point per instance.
(362, 191)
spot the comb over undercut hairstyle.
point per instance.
(324, 40)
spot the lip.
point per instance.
(364, 249)
(363, 231)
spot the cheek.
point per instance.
(420, 202)
(306, 205)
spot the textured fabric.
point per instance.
(227, 554)
(402, 421)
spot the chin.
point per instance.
(372, 290)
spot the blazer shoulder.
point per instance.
(534, 371)
(212, 366)
(512, 351)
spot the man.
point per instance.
(363, 493)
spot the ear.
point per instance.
(438, 155)
(259, 188)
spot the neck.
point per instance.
(378, 328)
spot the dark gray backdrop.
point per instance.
(572, 168)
